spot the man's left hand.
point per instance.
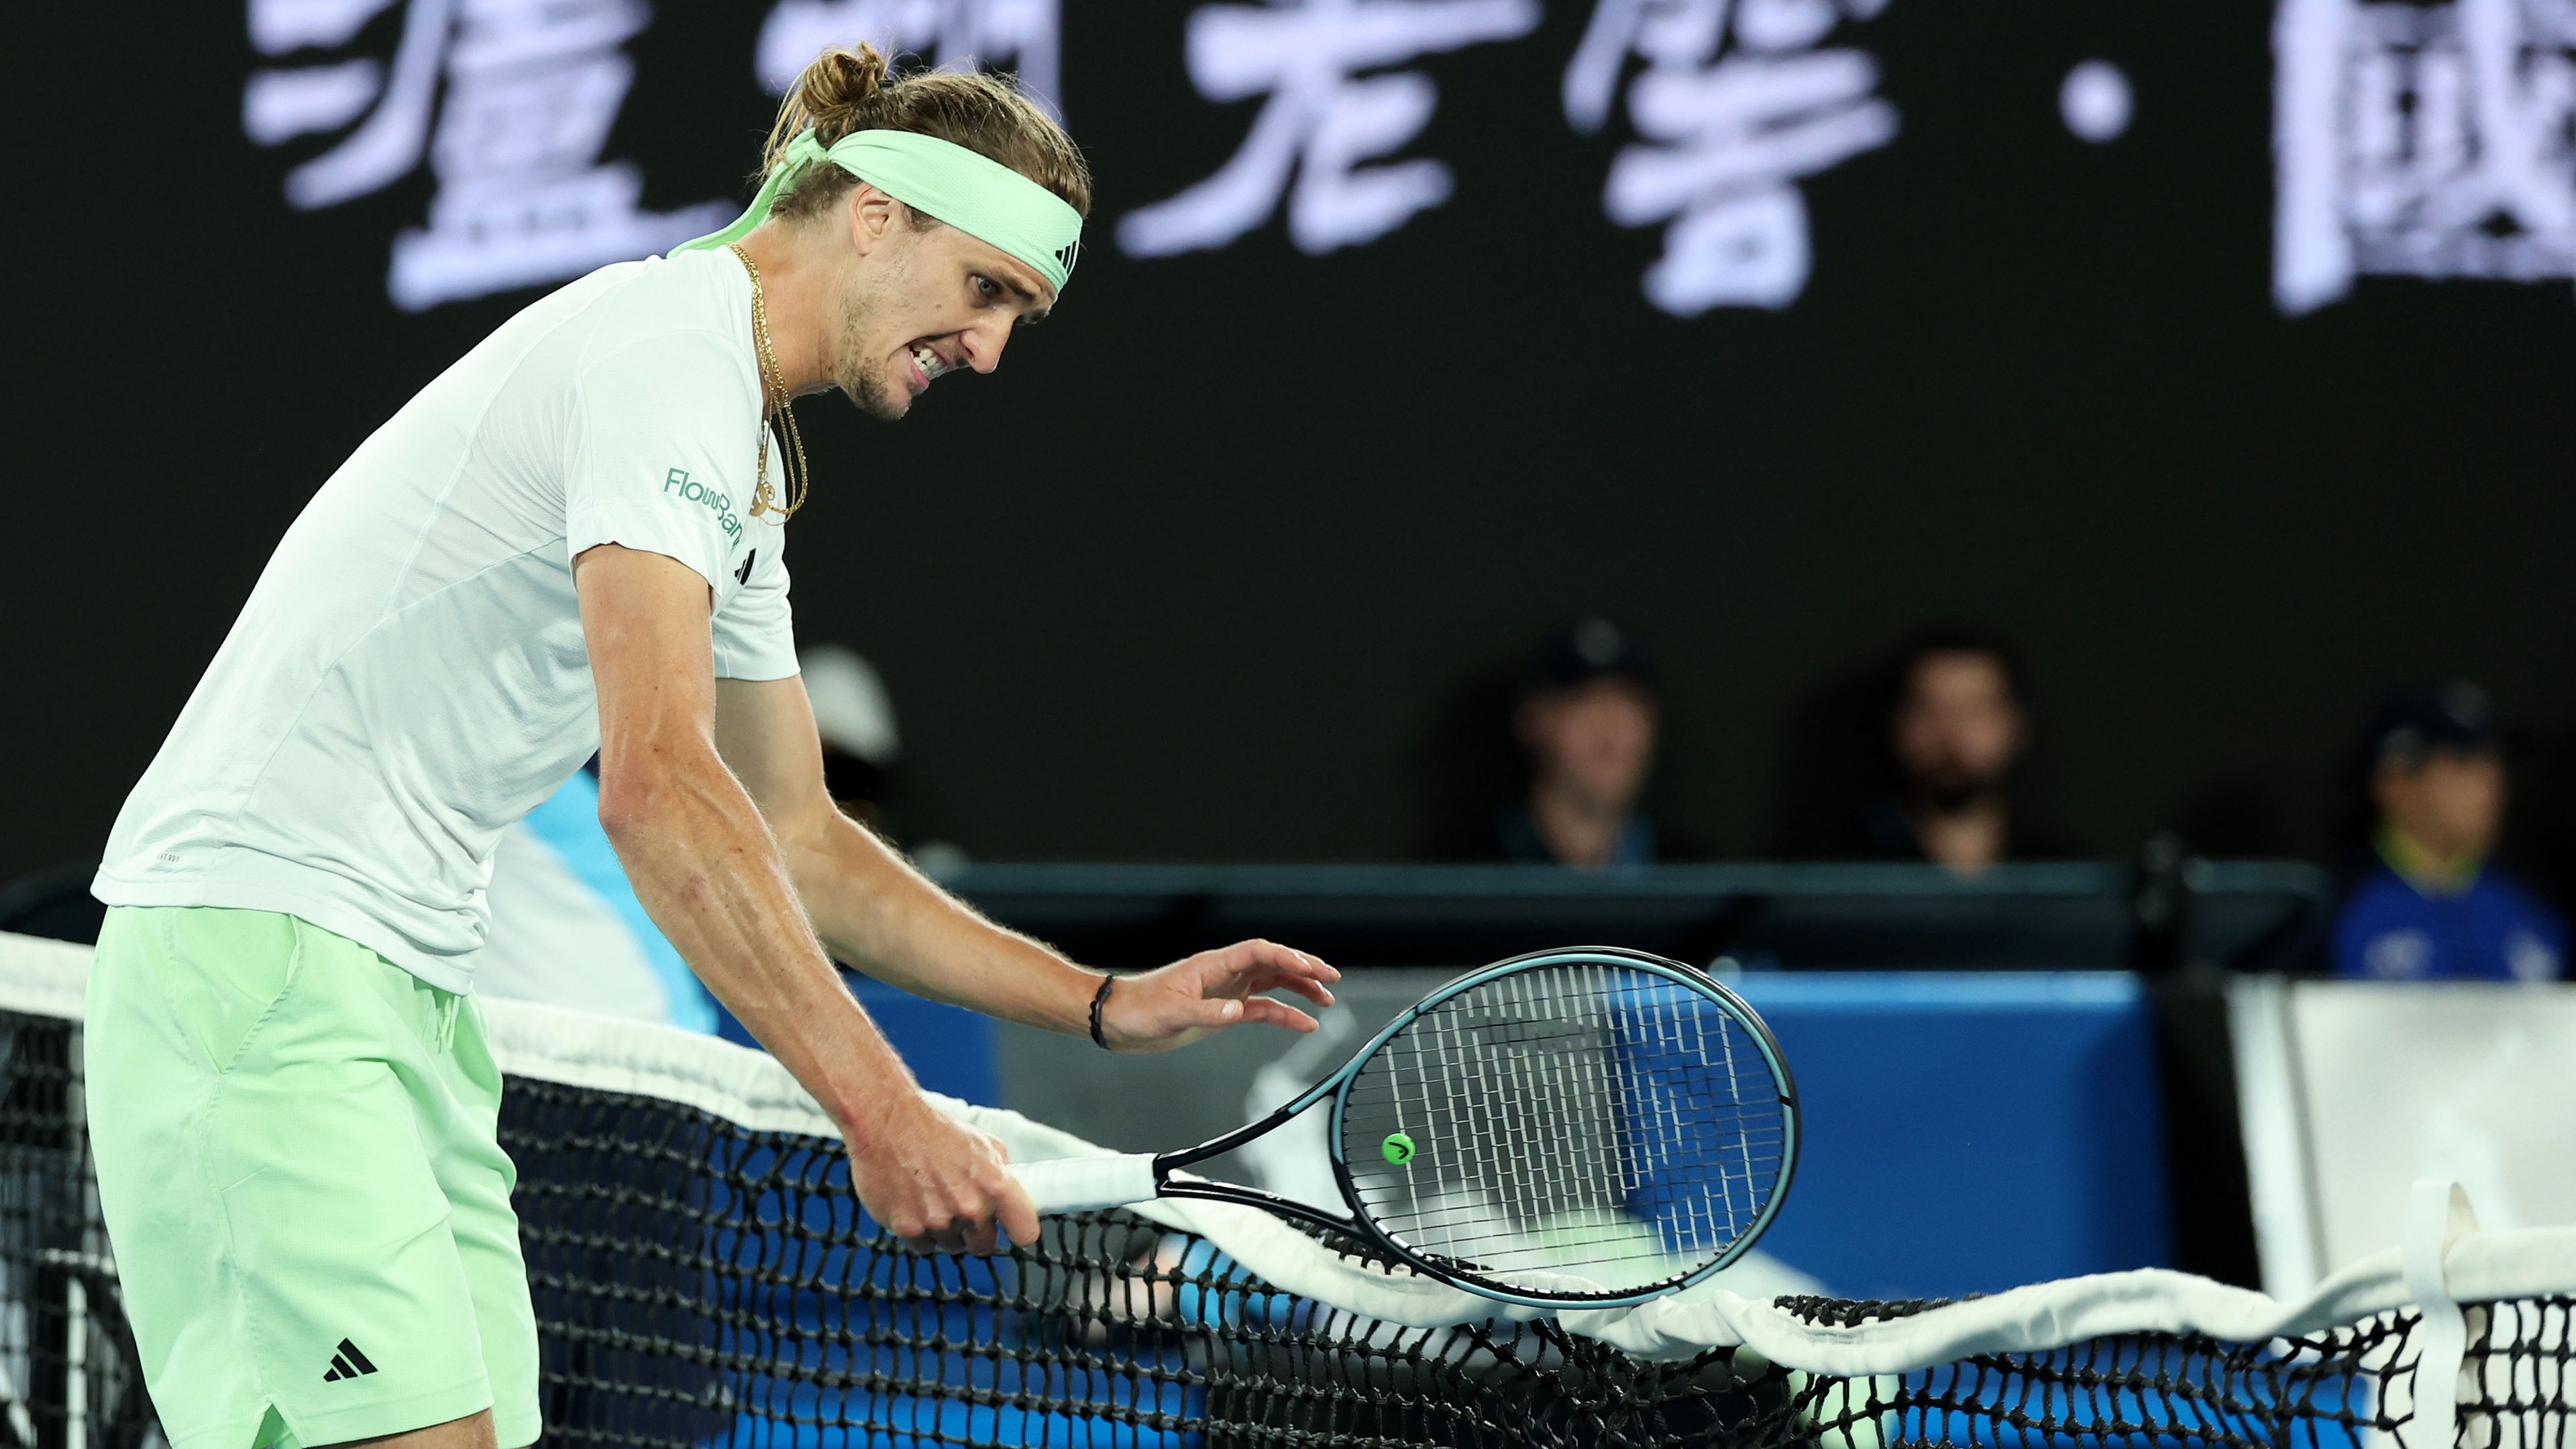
(1208, 992)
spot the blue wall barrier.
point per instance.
(950, 1049)
(1968, 1133)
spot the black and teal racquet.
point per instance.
(1583, 1127)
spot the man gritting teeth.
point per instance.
(932, 365)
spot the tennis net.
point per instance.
(703, 1275)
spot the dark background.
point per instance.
(1205, 570)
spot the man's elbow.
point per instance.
(637, 804)
(655, 795)
(627, 810)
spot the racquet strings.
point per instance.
(1580, 1120)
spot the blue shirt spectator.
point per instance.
(567, 928)
(2485, 926)
(2430, 904)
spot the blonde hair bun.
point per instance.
(829, 95)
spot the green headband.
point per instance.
(979, 196)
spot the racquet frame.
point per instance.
(1337, 1086)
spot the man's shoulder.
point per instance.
(2377, 889)
(674, 304)
(2504, 893)
(2386, 929)
(2378, 900)
(639, 312)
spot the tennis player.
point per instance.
(572, 540)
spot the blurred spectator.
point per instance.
(2426, 902)
(567, 928)
(854, 716)
(1586, 719)
(1952, 727)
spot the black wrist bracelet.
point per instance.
(1100, 999)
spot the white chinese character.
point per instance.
(1733, 105)
(1323, 118)
(951, 32)
(531, 89)
(286, 102)
(2421, 140)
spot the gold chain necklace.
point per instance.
(773, 388)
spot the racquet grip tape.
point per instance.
(1082, 1184)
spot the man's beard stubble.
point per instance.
(859, 381)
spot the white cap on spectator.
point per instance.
(852, 710)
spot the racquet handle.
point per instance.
(1083, 1184)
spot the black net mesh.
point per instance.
(699, 1284)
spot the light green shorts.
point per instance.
(300, 1177)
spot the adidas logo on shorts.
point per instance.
(348, 1363)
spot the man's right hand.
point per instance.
(937, 1183)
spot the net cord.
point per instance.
(750, 1088)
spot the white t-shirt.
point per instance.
(409, 677)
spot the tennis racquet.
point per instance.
(1589, 1126)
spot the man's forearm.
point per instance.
(880, 915)
(709, 873)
